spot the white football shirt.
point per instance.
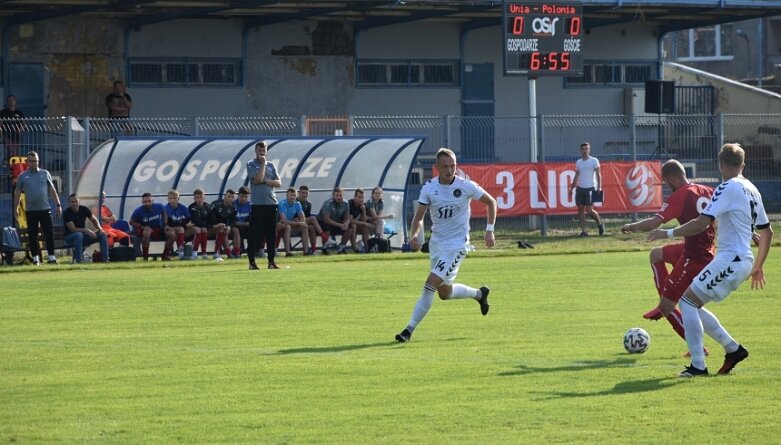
(586, 167)
(737, 206)
(448, 208)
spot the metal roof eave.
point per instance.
(200, 12)
(722, 4)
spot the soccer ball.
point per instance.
(636, 341)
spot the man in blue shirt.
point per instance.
(292, 219)
(36, 184)
(243, 208)
(178, 222)
(76, 232)
(149, 221)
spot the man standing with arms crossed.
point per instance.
(689, 257)
(37, 185)
(586, 171)
(737, 207)
(448, 198)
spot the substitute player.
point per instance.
(737, 207)
(689, 257)
(447, 197)
(149, 221)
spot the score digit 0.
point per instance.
(574, 26)
(517, 26)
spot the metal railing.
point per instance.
(64, 143)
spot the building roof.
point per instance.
(666, 15)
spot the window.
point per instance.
(185, 72)
(409, 73)
(372, 74)
(706, 43)
(614, 74)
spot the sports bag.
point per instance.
(122, 253)
(11, 241)
(380, 245)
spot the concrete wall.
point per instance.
(300, 67)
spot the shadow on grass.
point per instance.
(620, 388)
(577, 366)
(329, 349)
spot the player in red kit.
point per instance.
(688, 258)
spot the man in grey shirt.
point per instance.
(36, 184)
(336, 219)
(263, 178)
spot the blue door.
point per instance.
(477, 109)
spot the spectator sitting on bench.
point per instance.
(178, 222)
(149, 221)
(311, 220)
(336, 219)
(223, 217)
(107, 218)
(200, 214)
(76, 233)
(243, 208)
(359, 221)
(292, 220)
(374, 212)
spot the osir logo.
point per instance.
(638, 182)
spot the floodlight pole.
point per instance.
(533, 137)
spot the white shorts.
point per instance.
(445, 263)
(721, 276)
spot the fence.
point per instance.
(64, 143)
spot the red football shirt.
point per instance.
(686, 204)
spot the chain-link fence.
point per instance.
(65, 143)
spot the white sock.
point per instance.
(716, 331)
(52, 257)
(421, 307)
(462, 291)
(694, 330)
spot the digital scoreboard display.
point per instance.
(542, 39)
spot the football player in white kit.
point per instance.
(737, 207)
(447, 198)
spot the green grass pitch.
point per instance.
(212, 353)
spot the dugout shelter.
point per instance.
(126, 168)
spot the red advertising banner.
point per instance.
(543, 188)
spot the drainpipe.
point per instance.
(760, 51)
(660, 54)
(6, 34)
(244, 54)
(126, 54)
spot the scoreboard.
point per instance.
(542, 39)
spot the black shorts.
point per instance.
(583, 196)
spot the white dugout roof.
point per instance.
(126, 168)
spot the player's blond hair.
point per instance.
(732, 155)
(173, 192)
(444, 151)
